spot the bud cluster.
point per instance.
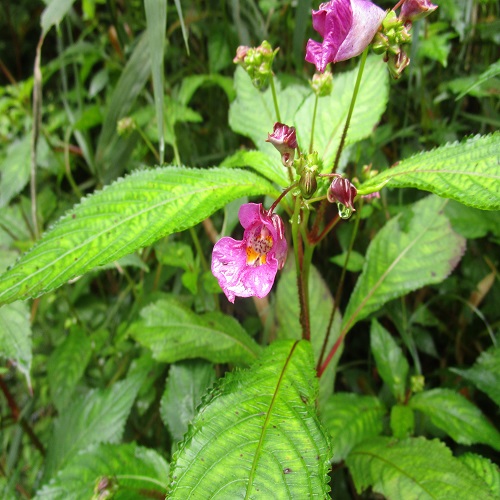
(257, 62)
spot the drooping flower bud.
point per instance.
(257, 62)
(284, 139)
(322, 83)
(125, 126)
(413, 10)
(342, 192)
(396, 63)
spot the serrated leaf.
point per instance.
(131, 471)
(404, 256)
(99, 416)
(457, 416)
(66, 365)
(187, 382)
(258, 435)
(485, 469)
(287, 315)
(350, 419)
(413, 468)
(485, 373)
(15, 336)
(465, 171)
(332, 110)
(173, 332)
(129, 214)
(391, 362)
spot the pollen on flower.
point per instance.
(258, 245)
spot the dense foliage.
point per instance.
(129, 145)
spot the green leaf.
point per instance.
(173, 332)
(413, 468)
(129, 214)
(131, 471)
(287, 315)
(15, 336)
(486, 470)
(351, 419)
(485, 373)
(332, 110)
(493, 70)
(466, 172)
(354, 264)
(66, 365)
(456, 416)
(412, 250)
(391, 362)
(187, 382)
(98, 416)
(471, 222)
(258, 436)
(54, 13)
(14, 169)
(402, 421)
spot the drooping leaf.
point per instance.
(485, 469)
(14, 169)
(287, 315)
(66, 365)
(485, 373)
(391, 362)
(54, 13)
(413, 468)
(411, 250)
(492, 71)
(173, 332)
(15, 336)
(258, 435)
(98, 416)
(187, 382)
(456, 416)
(465, 171)
(125, 470)
(350, 419)
(129, 214)
(332, 110)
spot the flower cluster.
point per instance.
(257, 62)
(248, 267)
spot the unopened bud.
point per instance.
(342, 192)
(257, 62)
(284, 140)
(322, 83)
(396, 63)
(308, 184)
(125, 126)
(413, 10)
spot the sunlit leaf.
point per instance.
(129, 214)
(485, 469)
(258, 435)
(465, 171)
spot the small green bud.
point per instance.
(308, 184)
(417, 383)
(125, 126)
(322, 83)
(257, 62)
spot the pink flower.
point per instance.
(413, 10)
(347, 28)
(247, 268)
(284, 140)
(341, 190)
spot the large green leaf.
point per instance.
(287, 315)
(485, 469)
(98, 416)
(187, 382)
(466, 171)
(66, 365)
(350, 419)
(485, 373)
(412, 250)
(129, 214)
(15, 336)
(332, 111)
(456, 416)
(391, 363)
(125, 470)
(414, 468)
(173, 332)
(259, 435)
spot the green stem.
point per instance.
(275, 100)
(148, 143)
(313, 124)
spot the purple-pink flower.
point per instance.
(413, 10)
(247, 268)
(342, 190)
(284, 139)
(347, 28)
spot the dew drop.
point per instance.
(344, 212)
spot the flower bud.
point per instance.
(322, 83)
(396, 63)
(125, 126)
(342, 192)
(413, 10)
(284, 140)
(257, 62)
(308, 184)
